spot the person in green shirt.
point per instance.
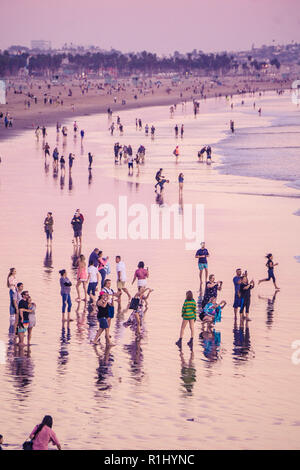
(188, 314)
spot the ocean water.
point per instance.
(271, 152)
(238, 389)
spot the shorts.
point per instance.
(237, 301)
(92, 288)
(77, 233)
(130, 165)
(103, 323)
(271, 275)
(111, 311)
(120, 284)
(21, 329)
(32, 320)
(48, 235)
(202, 266)
(142, 282)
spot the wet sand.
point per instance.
(239, 394)
(99, 100)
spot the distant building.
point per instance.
(41, 45)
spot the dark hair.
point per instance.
(269, 255)
(19, 284)
(141, 264)
(24, 292)
(106, 281)
(47, 421)
(62, 272)
(189, 295)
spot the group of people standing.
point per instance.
(22, 310)
(92, 278)
(210, 310)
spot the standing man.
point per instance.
(237, 294)
(121, 276)
(76, 223)
(202, 255)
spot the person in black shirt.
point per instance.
(103, 309)
(23, 316)
(245, 291)
(270, 265)
(77, 227)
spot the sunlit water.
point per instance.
(239, 388)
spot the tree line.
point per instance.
(125, 64)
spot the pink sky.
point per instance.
(162, 26)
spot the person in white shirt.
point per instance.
(93, 279)
(121, 276)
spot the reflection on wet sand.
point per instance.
(270, 308)
(63, 352)
(21, 368)
(104, 370)
(242, 350)
(135, 353)
(188, 372)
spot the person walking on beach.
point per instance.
(141, 274)
(48, 227)
(270, 265)
(90, 160)
(130, 165)
(121, 276)
(158, 178)
(245, 289)
(42, 434)
(65, 292)
(232, 126)
(180, 183)
(176, 152)
(82, 134)
(71, 159)
(76, 223)
(181, 130)
(188, 314)
(202, 255)
(176, 130)
(82, 277)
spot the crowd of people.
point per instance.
(210, 311)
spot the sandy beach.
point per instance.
(148, 395)
(99, 100)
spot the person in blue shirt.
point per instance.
(202, 255)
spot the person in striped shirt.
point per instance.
(188, 316)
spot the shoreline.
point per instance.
(24, 119)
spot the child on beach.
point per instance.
(188, 314)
